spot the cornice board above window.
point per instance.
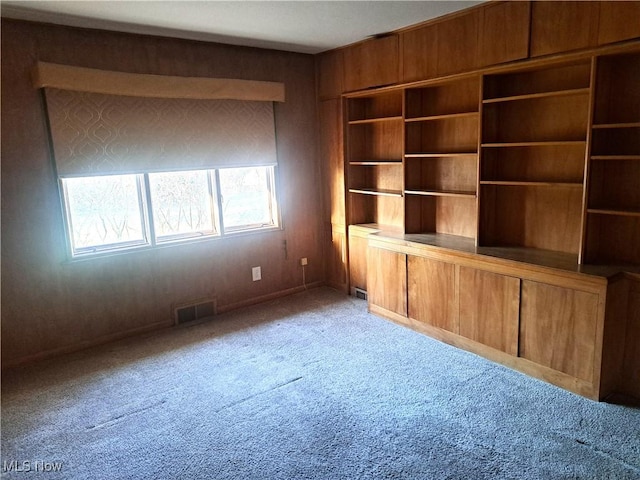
(105, 123)
(81, 79)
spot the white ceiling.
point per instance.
(298, 26)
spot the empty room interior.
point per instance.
(298, 239)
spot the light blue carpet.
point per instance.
(306, 387)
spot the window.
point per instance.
(112, 213)
(182, 205)
(247, 195)
(105, 213)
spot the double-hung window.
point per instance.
(145, 161)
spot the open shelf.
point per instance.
(443, 117)
(445, 100)
(531, 82)
(616, 157)
(547, 119)
(439, 155)
(378, 141)
(530, 184)
(532, 217)
(621, 213)
(376, 162)
(375, 120)
(377, 207)
(617, 125)
(529, 96)
(612, 231)
(447, 214)
(554, 164)
(445, 135)
(441, 193)
(612, 238)
(375, 108)
(381, 192)
(550, 143)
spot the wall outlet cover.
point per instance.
(256, 274)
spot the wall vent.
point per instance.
(194, 311)
(359, 293)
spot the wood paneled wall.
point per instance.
(50, 304)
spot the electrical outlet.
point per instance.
(256, 274)
(303, 261)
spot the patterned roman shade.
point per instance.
(97, 133)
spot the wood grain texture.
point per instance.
(330, 74)
(358, 246)
(558, 328)
(419, 53)
(459, 96)
(371, 63)
(81, 79)
(376, 141)
(457, 44)
(504, 32)
(432, 292)
(562, 26)
(331, 148)
(335, 257)
(489, 306)
(561, 118)
(618, 20)
(447, 215)
(612, 239)
(67, 305)
(441, 173)
(614, 336)
(447, 135)
(387, 280)
(531, 216)
(536, 163)
(630, 379)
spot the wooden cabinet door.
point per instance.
(432, 294)
(387, 280)
(504, 32)
(618, 21)
(419, 53)
(358, 246)
(561, 26)
(330, 74)
(371, 63)
(489, 305)
(558, 328)
(458, 43)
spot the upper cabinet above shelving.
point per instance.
(618, 21)
(372, 63)
(504, 32)
(563, 26)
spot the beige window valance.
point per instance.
(81, 79)
(154, 127)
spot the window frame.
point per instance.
(274, 211)
(145, 203)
